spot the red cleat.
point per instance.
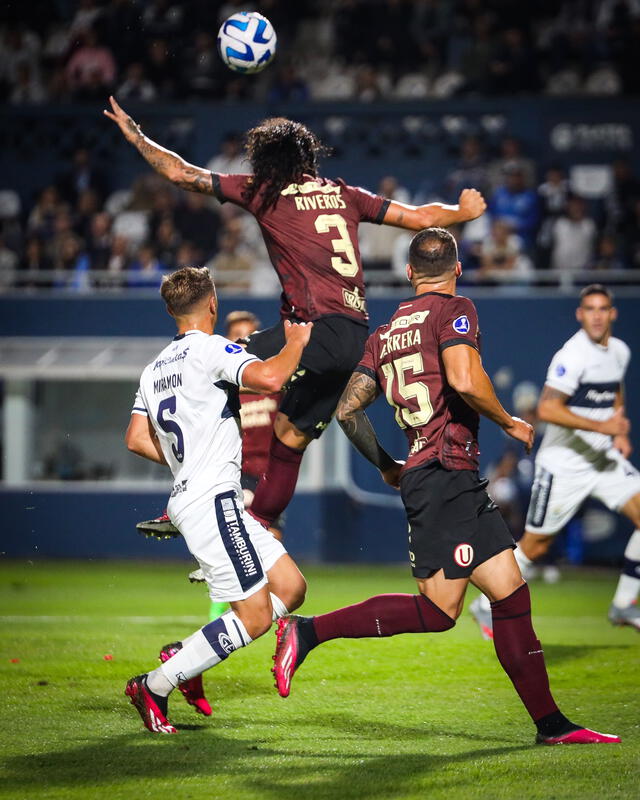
(291, 651)
(153, 717)
(581, 736)
(192, 690)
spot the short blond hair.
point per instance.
(185, 288)
(241, 316)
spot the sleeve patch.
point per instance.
(560, 370)
(461, 324)
(233, 348)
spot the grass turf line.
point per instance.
(393, 719)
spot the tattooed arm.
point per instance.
(360, 392)
(170, 165)
(470, 205)
(553, 408)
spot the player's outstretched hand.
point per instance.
(522, 431)
(127, 125)
(617, 424)
(471, 204)
(298, 332)
(391, 476)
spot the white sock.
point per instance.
(524, 563)
(629, 582)
(279, 608)
(203, 650)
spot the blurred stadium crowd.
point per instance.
(79, 50)
(80, 233)
(83, 231)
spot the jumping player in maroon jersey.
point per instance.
(309, 225)
(426, 361)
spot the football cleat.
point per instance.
(149, 705)
(291, 651)
(192, 690)
(159, 528)
(581, 736)
(483, 617)
(197, 576)
(629, 615)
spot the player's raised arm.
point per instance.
(170, 165)
(471, 204)
(270, 376)
(466, 375)
(553, 408)
(359, 393)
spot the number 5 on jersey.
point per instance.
(417, 391)
(170, 426)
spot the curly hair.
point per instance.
(280, 152)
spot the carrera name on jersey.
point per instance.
(591, 375)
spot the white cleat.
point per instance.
(483, 617)
(630, 615)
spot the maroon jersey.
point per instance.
(404, 358)
(312, 238)
(257, 415)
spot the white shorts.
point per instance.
(234, 551)
(557, 496)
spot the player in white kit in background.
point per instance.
(585, 449)
(186, 415)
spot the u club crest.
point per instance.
(463, 555)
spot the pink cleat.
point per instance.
(288, 655)
(581, 736)
(192, 690)
(153, 717)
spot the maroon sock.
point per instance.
(383, 615)
(277, 485)
(520, 652)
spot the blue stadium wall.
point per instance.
(519, 334)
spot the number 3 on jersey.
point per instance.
(348, 268)
(171, 426)
(418, 391)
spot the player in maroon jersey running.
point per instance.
(426, 361)
(310, 227)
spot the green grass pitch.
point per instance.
(422, 716)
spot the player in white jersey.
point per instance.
(585, 449)
(186, 416)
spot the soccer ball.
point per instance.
(247, 42)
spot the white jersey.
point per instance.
(591, 374)
(188, 392)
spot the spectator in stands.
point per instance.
(513, 68)
(8, 265)
(516, 204)
(82, 175)
(632, 240)
(230, 160)
(607, 254)
(146, 269)
(501, 253)
(288, 87)
(187, 255)
(231, 267)
(511, 155)
(621, 200)
(27, 90)
(91, 68)
(161, 68)
(369, 84)
(119, 259)
(85, 17)
(87, 207)
(573, 237)
(476, 53)
(99, 241)
(136, 86)
(42, 218)
(35, 260)
(19, 47)
(201, 67)
(553, 194)
(471, 169)
(197, 223)
(167, 240)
